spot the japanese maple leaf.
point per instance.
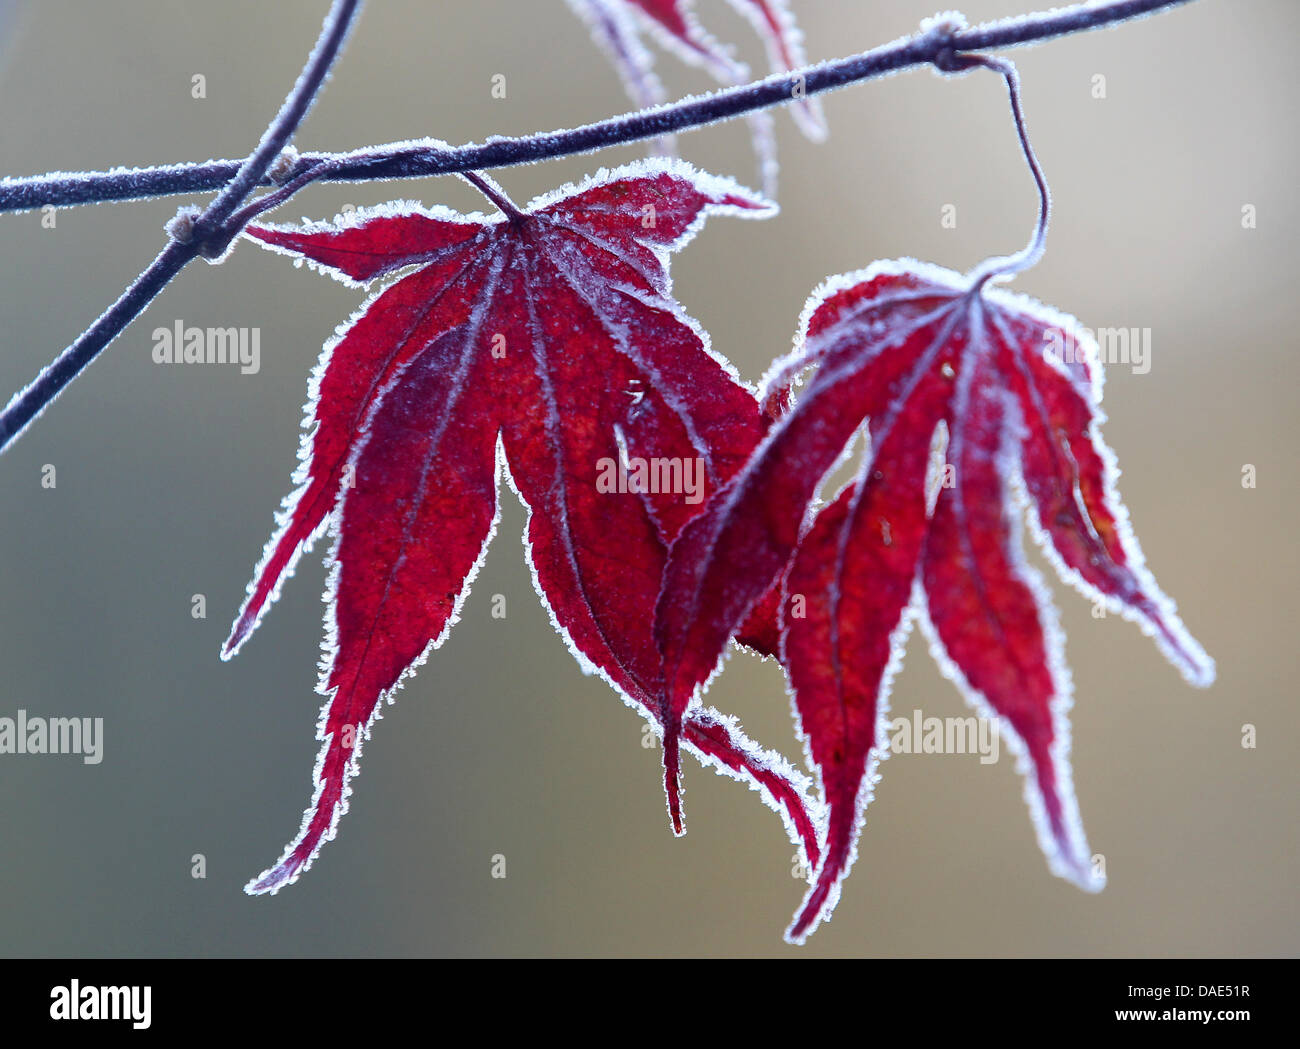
(978, 403)
(617, 26)
(544, 344)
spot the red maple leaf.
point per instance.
(617, 26)
(544, 344)
(977, 404)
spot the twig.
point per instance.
(29, 402)
(211, 232)
(420, 160)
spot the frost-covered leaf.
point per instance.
(618, 27)
(1009, 391)
(542, 344)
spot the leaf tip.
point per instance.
(817, 906)
(1195, 664)
(238, 635)
(269, 882)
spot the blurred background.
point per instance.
(167, 478)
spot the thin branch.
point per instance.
(420, 160)
(943, 44)
(28, 403)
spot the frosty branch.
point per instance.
(180, 250)
(943, 45)
(413, 160)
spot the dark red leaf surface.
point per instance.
(542, 344)
(970, 419)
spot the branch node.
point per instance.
(188, 227)
(283, 167)
(215, 250)
(951, 62)
(941, 29)
(945, 24)
(180, 227)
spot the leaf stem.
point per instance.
(1010, 265)
(493, 191)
